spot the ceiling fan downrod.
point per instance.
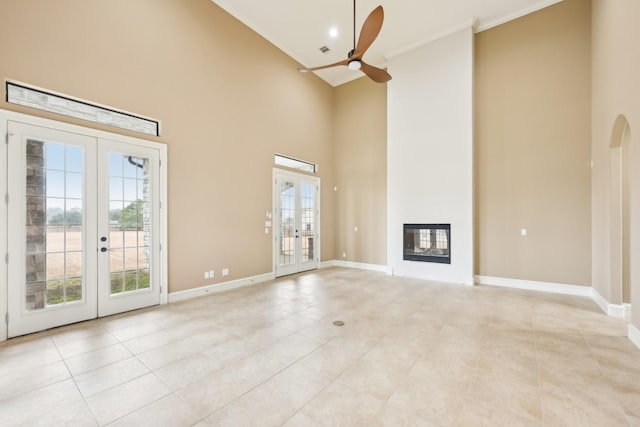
(355, 64)
(354, 29)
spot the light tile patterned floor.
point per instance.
(411, 353)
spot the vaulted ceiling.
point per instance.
(301, 27)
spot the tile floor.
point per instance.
(411, 352)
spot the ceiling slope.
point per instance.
(300, 28)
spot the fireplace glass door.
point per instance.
(427, 243)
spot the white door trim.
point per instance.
(4, 291)
(276, 222)
(6, 116)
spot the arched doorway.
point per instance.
(620, 217)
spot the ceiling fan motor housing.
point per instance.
(355, 65)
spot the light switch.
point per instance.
(266, 231)
(355, 228)
(267, 223)
(523, 231)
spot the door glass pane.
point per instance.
(307, 215)
(129, 189)
(55, 156)
(144, 280)
(74, 159)
(130, 222)
(287, 222)
(55, 183)
(74, 185)
(117, 285)
(54, 218)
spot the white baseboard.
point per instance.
(614, 310)
(600, 300)
(634, 335)
(327, 264)
(234, 284)
(219, 287)
(358, 265)
(470, 282)
(532, 285)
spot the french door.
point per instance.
(83, 220)
(296, 225)
(128, 221)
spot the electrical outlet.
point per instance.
(344, 254)
(225, 271)
(523, 231)
(212, 274)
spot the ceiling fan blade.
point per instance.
(343, 62)
(370, 30)
(376, 74)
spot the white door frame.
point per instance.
(276, 218)
(5, 117)
(4, 290)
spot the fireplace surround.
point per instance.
(427, 243)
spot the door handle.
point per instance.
(103, 238)
(103, 249)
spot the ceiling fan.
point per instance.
(370, 30)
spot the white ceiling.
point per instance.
(301, 27)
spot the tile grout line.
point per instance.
(75, 383)
(606, 377)
(267, 379)
(148, 404)
(246, 379)
(535, 344)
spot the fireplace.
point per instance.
(427, 243)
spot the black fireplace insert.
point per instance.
(427, 243)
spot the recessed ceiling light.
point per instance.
(333, 32)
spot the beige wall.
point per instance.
(360, 155)
(533, 146)
(615, 68)
(228, 100)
